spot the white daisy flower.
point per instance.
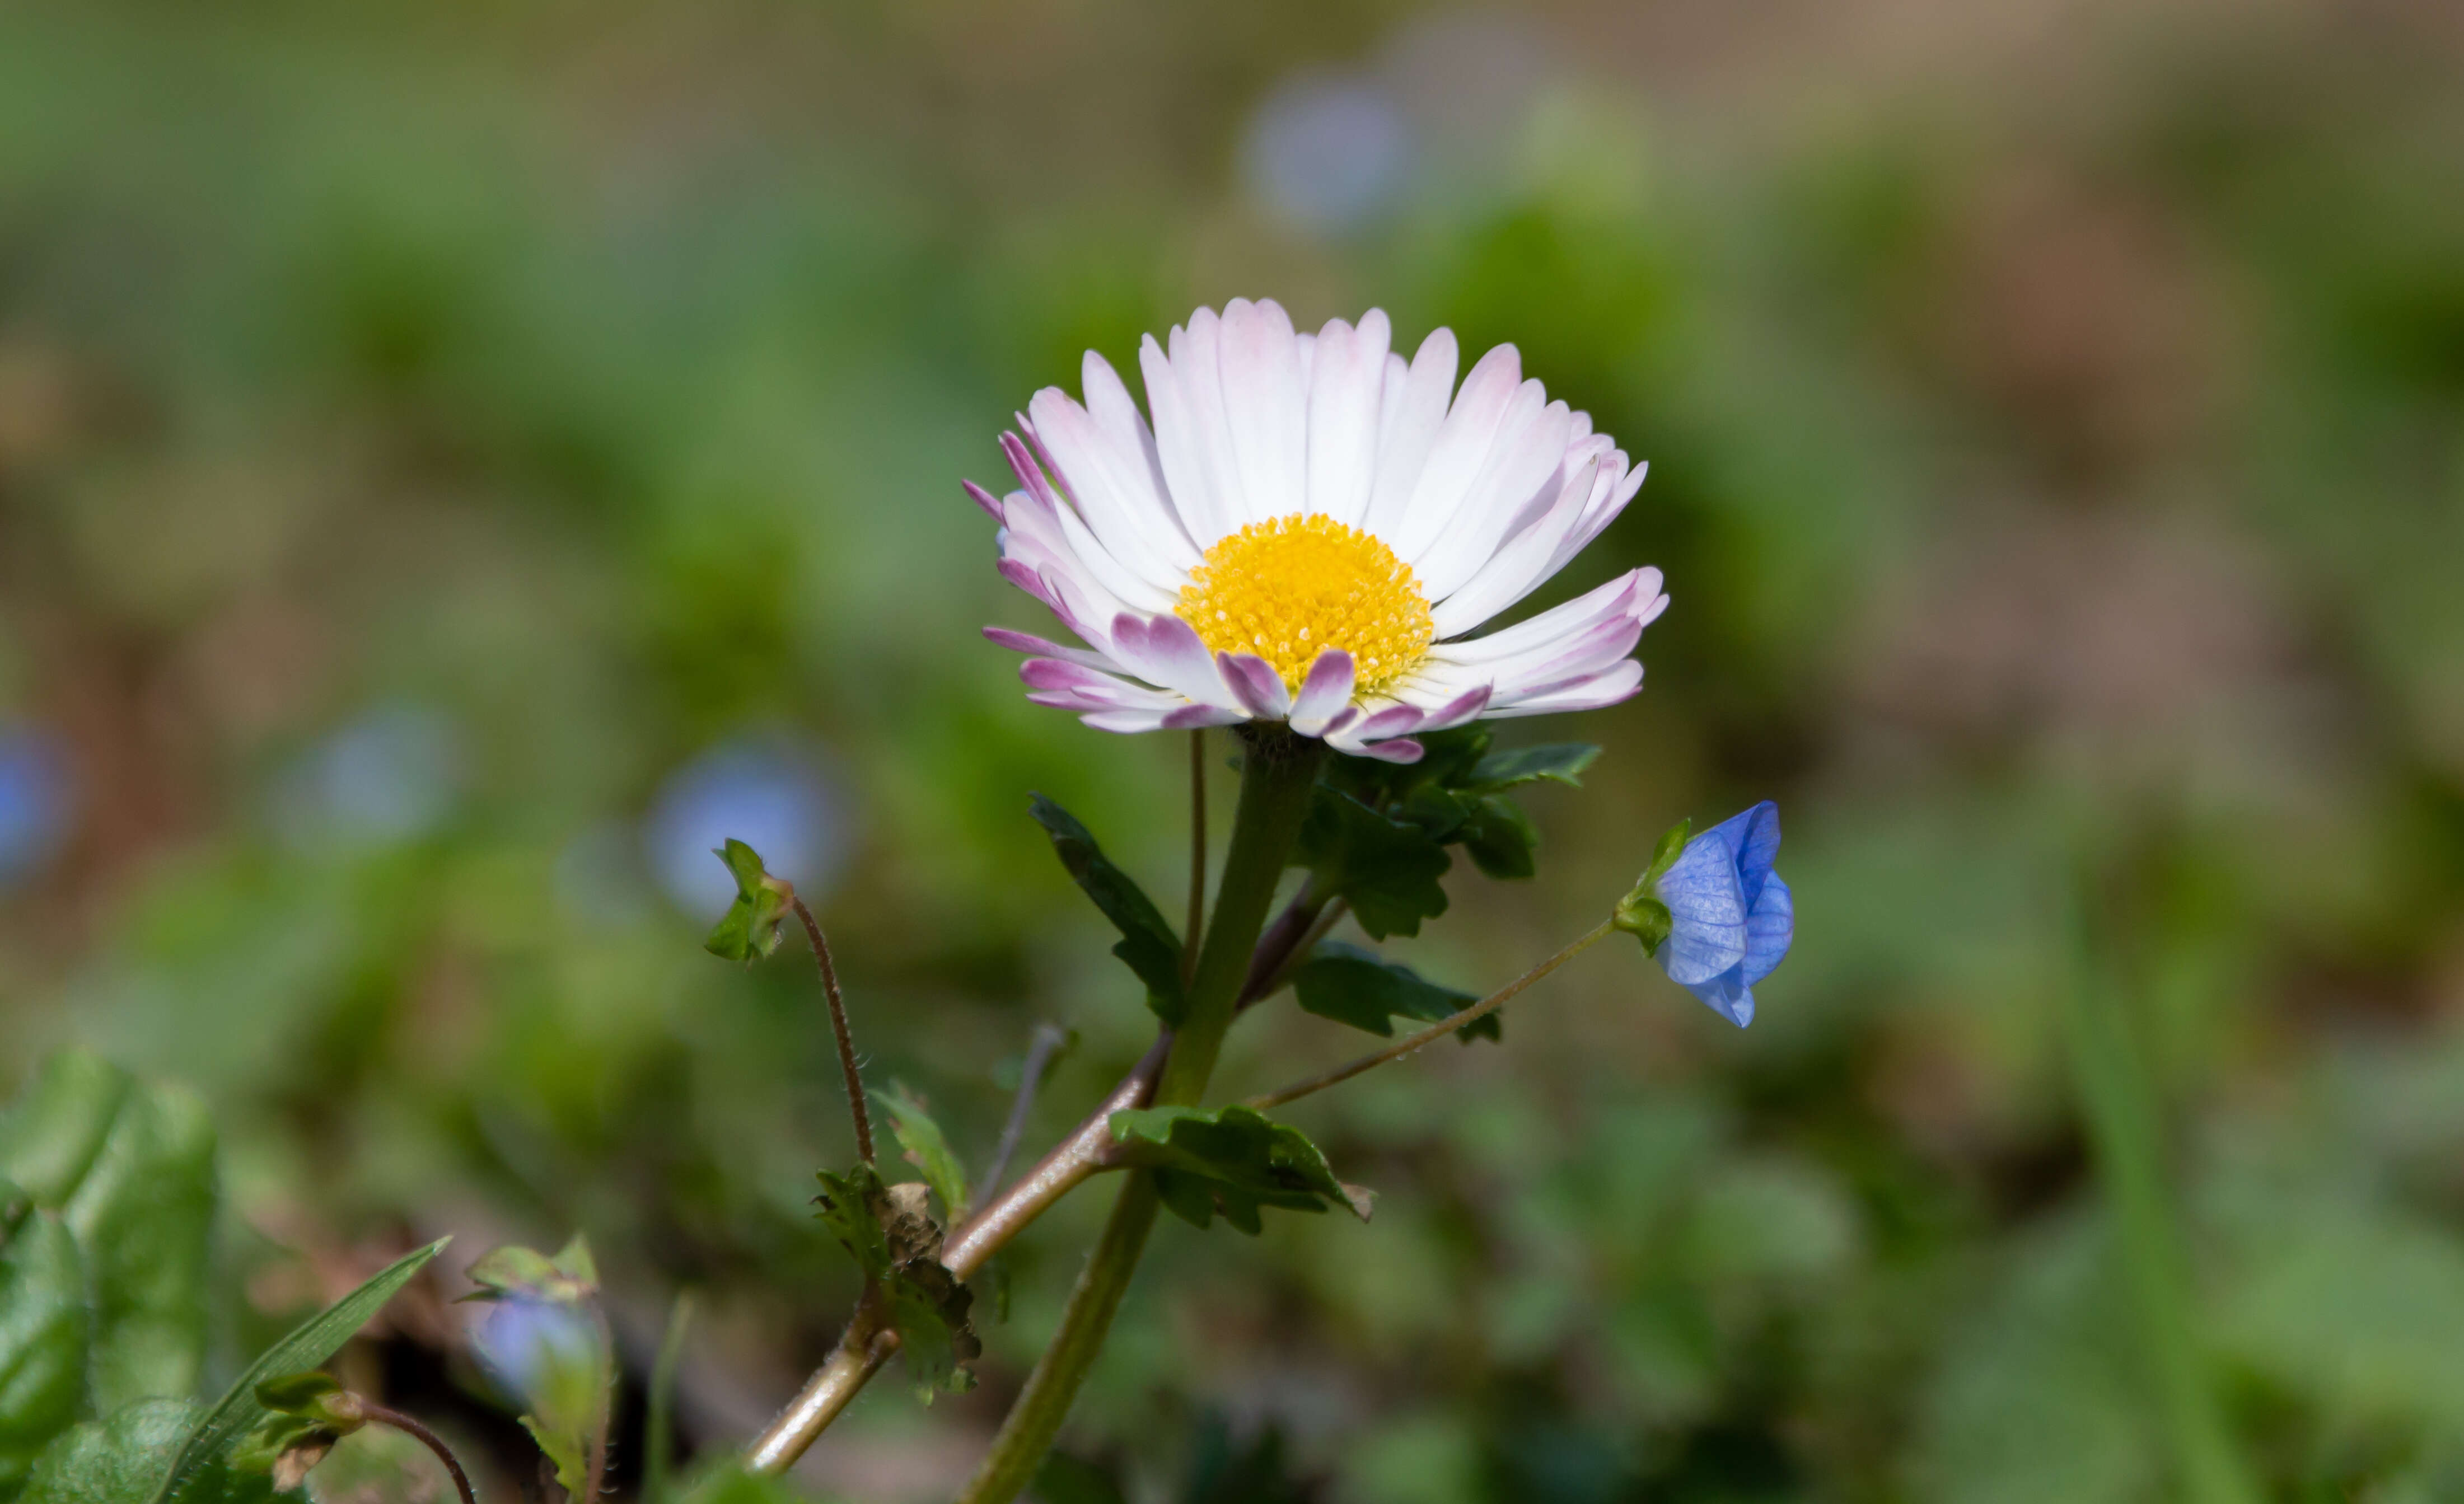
(1310, 534)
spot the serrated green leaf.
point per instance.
(1149, 944)
(128, 1456)
(749, 929)
(43, 1327)
(928, 1149)
(1446, 759)
(1499, 838)
(1557, 762)
(853, 1207)
(1359, 988)
(929, 1307)
(1245, 1160)
(1386, 869)
(143, 1216)
(206, 1451)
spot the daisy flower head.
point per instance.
(1311, 530)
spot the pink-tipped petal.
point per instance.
(1260, 689)
(1324, 694)
(985, 500)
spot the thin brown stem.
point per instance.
(419, 1432)
(1259, 991)
(866, 1345)
(1046, 1043)
(839, 1026)
(1433, 1032)
(1196, 854)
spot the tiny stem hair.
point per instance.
(1435, 1032)
(856, 1108)
(1277, 775)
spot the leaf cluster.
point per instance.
(1377, 833)
(1232, 1161)
(891, 1233)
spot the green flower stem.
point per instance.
(1435, 1032)
(1275, 782)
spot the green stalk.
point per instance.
(2119, 1102)
(1275, 781)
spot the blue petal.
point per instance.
(1753, 835)
(1706, 912)
(1769, 929)
(1728, 995)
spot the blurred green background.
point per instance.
(454, 459)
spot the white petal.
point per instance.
(1267, 408)
(1408, 422)
(1137, 466)
(1619, 682)
(1183, 450)
(1324, 694)
(1135, 529)
(1602, 509)
(1459, 453)
(1164, 651)
(1347, 384)
(1196, 356)
(1522, 474)
(1043, 648)
(1522, 564)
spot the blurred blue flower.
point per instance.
(542, 1353)
(389, 775)
(1730, 917)
(765, 794)
(37, 800)
(1327, 153)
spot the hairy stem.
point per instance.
(1277, 775)
(1196, 853)
(419, 1432)
(659, 1463)
(839, 1027)
(1433, 1032)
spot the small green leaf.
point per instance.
(566, 1451)
(43, 1326)
(924, 1147)
(749, 929)
(1387, 869)
(1499, 838)
(126, 1456)
(1233, 1159)
(1147, 944)
(853, 1207)
(1640, 913)
(207, 1452)
(1557, 762)
(296, 1394)
(514, 1273)
(928, 1306)
(1356, 987)
(892, 1235)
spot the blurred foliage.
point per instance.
(449, 456)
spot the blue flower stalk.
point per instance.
(1713, 912)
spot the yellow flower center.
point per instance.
(1291, 588)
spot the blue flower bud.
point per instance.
(1730, 918)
